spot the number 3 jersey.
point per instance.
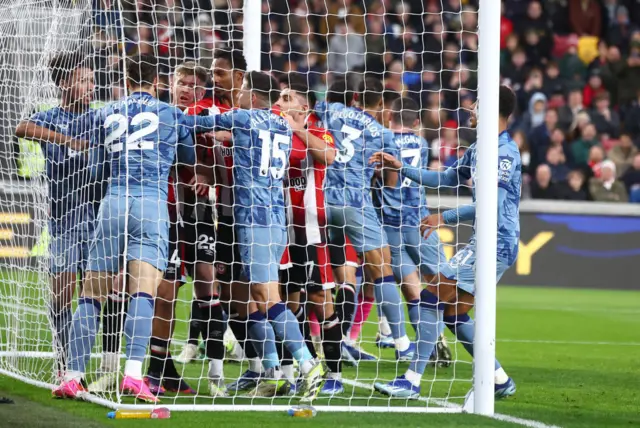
(405, 204)
(305, 198)
(142, 136)
(357, 136)
(261, 146)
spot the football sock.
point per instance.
(82, 334)
(137, 331)
(286, 327)
(212, 326)
(263, 340)
(113, 316)
(413, 307)
(463, 326)
(365, 304)
(428, 331)
(314, 325)
(305, 329)
(331, 339)
(388, 297)
(346, 305)
(61, 318)
(194, 324)
(160, 361)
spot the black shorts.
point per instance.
(228, 265)
(174, 267)
(311, 268)
(198, 234)
(341, 251)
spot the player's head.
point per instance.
(388, 98)
(259, 90)
(369, 94)
(288, 79)
(296, 98)
(405, 113)
(228, 69)
(507, 100)
(189, 84)
(338, 92)
(142, 72)
(73, 74)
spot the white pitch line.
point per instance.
(569, 342)
(444, 403)
(21, 308)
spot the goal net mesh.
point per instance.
(426, 51)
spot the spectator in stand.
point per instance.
(585, 17)
(375, 43)
(632, 120)
(593, 88)
(536, 23)
(601, 60)
(606, 188)
(582, 120)
(463, 114)
(433, 42)
(552, 79)
(559, 139)
(346, 49)
(630, 73)
(557, 163)
(448, 143)
(506, 53)
(631, 179)
(572, 69)
(567, 114)
(517, 71)
(536, 113)
(594, 163)
(433, 117)
(393, 77)
(542, 187)
(525, 155)
(540, 137)
(506, 28)
(623, 153)
(533, 84)
(581, 147)
(573, 189)
(537, 55)
(605, 119)
(621, 29)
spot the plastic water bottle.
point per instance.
(302, 412)
(160, 413)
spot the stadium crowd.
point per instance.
(575, 65)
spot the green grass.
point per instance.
(573, 354)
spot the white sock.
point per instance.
(402, 343)
(255, 365)
(215, 368)
(110, 362)
(336, 376)
(288, 373)
(306, 366)
(413, 377)
(348, 341)
(383, 326)
(133, 369)
(72, 375)
(501, 376)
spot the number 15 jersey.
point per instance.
(357, 136)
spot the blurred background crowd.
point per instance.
(574, 64)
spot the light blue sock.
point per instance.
(82, 336)
(413, 307)
(388, 297)
(463, 326)
(358, 281)
(287, 329)
(137, 326)
(428, 331)
(263, 339)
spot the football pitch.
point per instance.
(573, 354)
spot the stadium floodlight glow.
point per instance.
(34, 31)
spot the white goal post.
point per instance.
(31, 33)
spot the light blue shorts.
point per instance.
(69, 251)
(361, 225)
(463, 268)
(261, 248)
(147, 235)
(410, 252)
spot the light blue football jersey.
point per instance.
(357, 136)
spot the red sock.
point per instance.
(315, 327)
(362, 313)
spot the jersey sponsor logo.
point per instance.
(505, 164)
(227, 152)
(221, 268)
(297, 183)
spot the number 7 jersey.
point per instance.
(357, 136)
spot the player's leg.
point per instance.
(344, 261)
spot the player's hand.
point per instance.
(200, 185)
(222, 136)
(386, 160)
(118, 284)
(430, 223)
(77, 145)
(295, 119)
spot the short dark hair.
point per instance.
(293, 78)
(142, 70)
(405, 111)
(191, 68)
(64, 64)
(370, 91)
(389, 97)
(263, 85)
(338, 92)
(303, 89)
(234, 57)
(507, 99)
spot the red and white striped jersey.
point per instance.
(306, 210)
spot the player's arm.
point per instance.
(322, 148)
(389, 176)
(36, 132)
(203, 124)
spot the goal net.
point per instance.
(423, 53)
